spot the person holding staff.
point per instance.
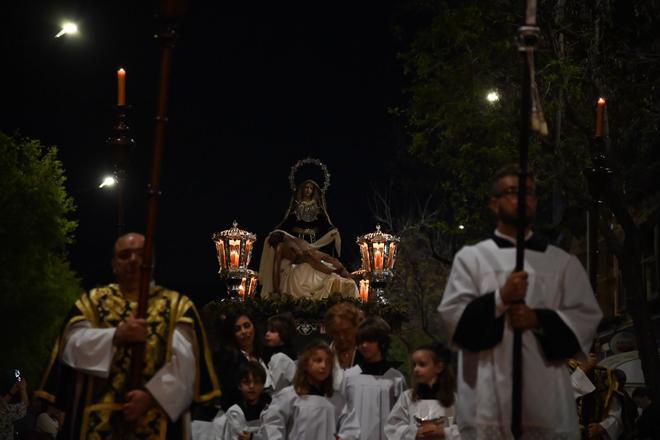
(550, 302)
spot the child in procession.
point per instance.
(426, 411)
(310, 409)
(373, 386)
(243, 418)
(279, 353)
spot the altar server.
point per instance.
(427, 410)
(279, 353)
(310, 409)
(373, 386)
(483, 305)
(244, 418)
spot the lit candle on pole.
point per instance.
(121, 87)
(600, 118)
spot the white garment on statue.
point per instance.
(309, 417)
(373, 398)
(90, 351)
(281, 369)
(556, 281)
(402, 423)
(297, 280)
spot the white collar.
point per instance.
(512, 239)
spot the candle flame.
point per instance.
(601, 101)
(121, 71)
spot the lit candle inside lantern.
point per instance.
(390, 256)
(253, 285)
(233, 259)
(378, 256)
(241, 288)
(220, 247)
(600, 118)
(366, 264)
(234, 253)
(121, 87)
(248, 251)
(364, 290)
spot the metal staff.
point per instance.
(531, 117)
(170, 13)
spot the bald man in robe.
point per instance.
(90, 372)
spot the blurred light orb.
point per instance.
(492, 97)
(108, 181)
(461, 227)
(68, 28)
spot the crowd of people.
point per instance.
(256, 385)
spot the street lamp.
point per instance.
(493, 96)
(108, 181)
(68, 28)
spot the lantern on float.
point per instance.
(234, 249)
(378, 255)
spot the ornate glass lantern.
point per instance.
(378, 254)
(234, 249)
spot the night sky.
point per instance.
(255, 87)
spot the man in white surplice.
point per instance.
(482, 306)
(95, 345)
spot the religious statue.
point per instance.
(290, 265)
(307, 215)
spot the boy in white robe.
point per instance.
(279, 352)
(483, 305)
(310, 409)
(373, 386)
(243, 419)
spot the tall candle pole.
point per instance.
(171, 12)
(597, 176)
(121, 144)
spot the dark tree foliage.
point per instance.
(37, 286)
(587, 50)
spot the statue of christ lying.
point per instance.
(290, 265)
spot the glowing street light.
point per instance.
(108, 181)
(461, 227)
(69, 28)
(492, 97)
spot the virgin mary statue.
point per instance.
(307, 215)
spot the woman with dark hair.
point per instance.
(427, 409)
(240, 344)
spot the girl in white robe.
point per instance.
(427, 409)
(310, 409)
(374, 385)
(279, 353)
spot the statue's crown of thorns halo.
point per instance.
(309, 161)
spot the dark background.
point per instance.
(255, 87)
